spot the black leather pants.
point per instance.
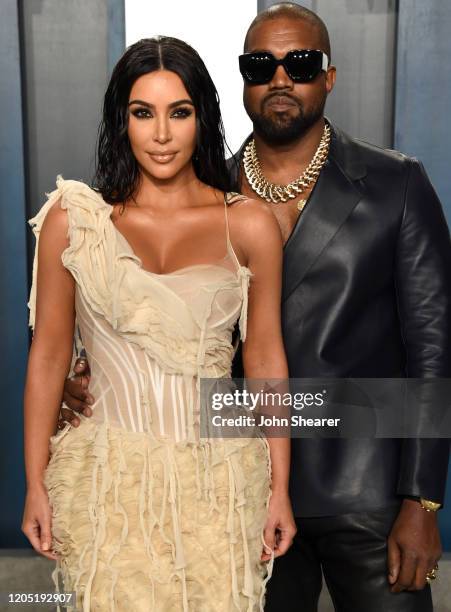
(352, 552)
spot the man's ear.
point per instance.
(331, 76)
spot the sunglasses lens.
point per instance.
(303, 66)
(257, 68)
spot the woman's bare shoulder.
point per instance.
(251, 217)
(56, 222)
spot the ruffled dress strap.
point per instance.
(88, 214)
(243, 272)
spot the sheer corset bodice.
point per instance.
(133, 388)
(148, 337)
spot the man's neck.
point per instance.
(283, 163)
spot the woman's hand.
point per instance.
(280, 527)
(37, 521)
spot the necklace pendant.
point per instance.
(300, 205)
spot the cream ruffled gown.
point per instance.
(148, 516)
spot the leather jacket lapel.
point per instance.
(331, 202)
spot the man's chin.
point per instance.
(281, 118)
(279, 138)
(277, 132)
(279, 129)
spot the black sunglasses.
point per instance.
(301, 65)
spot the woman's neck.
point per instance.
(176, 192)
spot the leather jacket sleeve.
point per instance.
(423, 288)
(233, 165)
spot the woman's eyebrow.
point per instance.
(176, 103)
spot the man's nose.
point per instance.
(281, 80)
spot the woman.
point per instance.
(154, 268)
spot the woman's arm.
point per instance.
(49, 360)
(260, 243)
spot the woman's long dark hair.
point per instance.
(117, 171)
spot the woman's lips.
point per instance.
(162, 158)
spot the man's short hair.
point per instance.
(293, 11)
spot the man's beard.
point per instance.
(285, 128)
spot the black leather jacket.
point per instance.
(367, 293)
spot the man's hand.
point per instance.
(414, 547)
(76, 397)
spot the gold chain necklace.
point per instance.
(272, 192)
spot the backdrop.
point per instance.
(55, 61)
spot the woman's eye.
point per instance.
(182, 113)
(141, 113)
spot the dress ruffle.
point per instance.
(168, 527)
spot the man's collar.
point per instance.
(343, 152)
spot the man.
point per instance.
(367, 293)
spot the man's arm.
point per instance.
(423, 284)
